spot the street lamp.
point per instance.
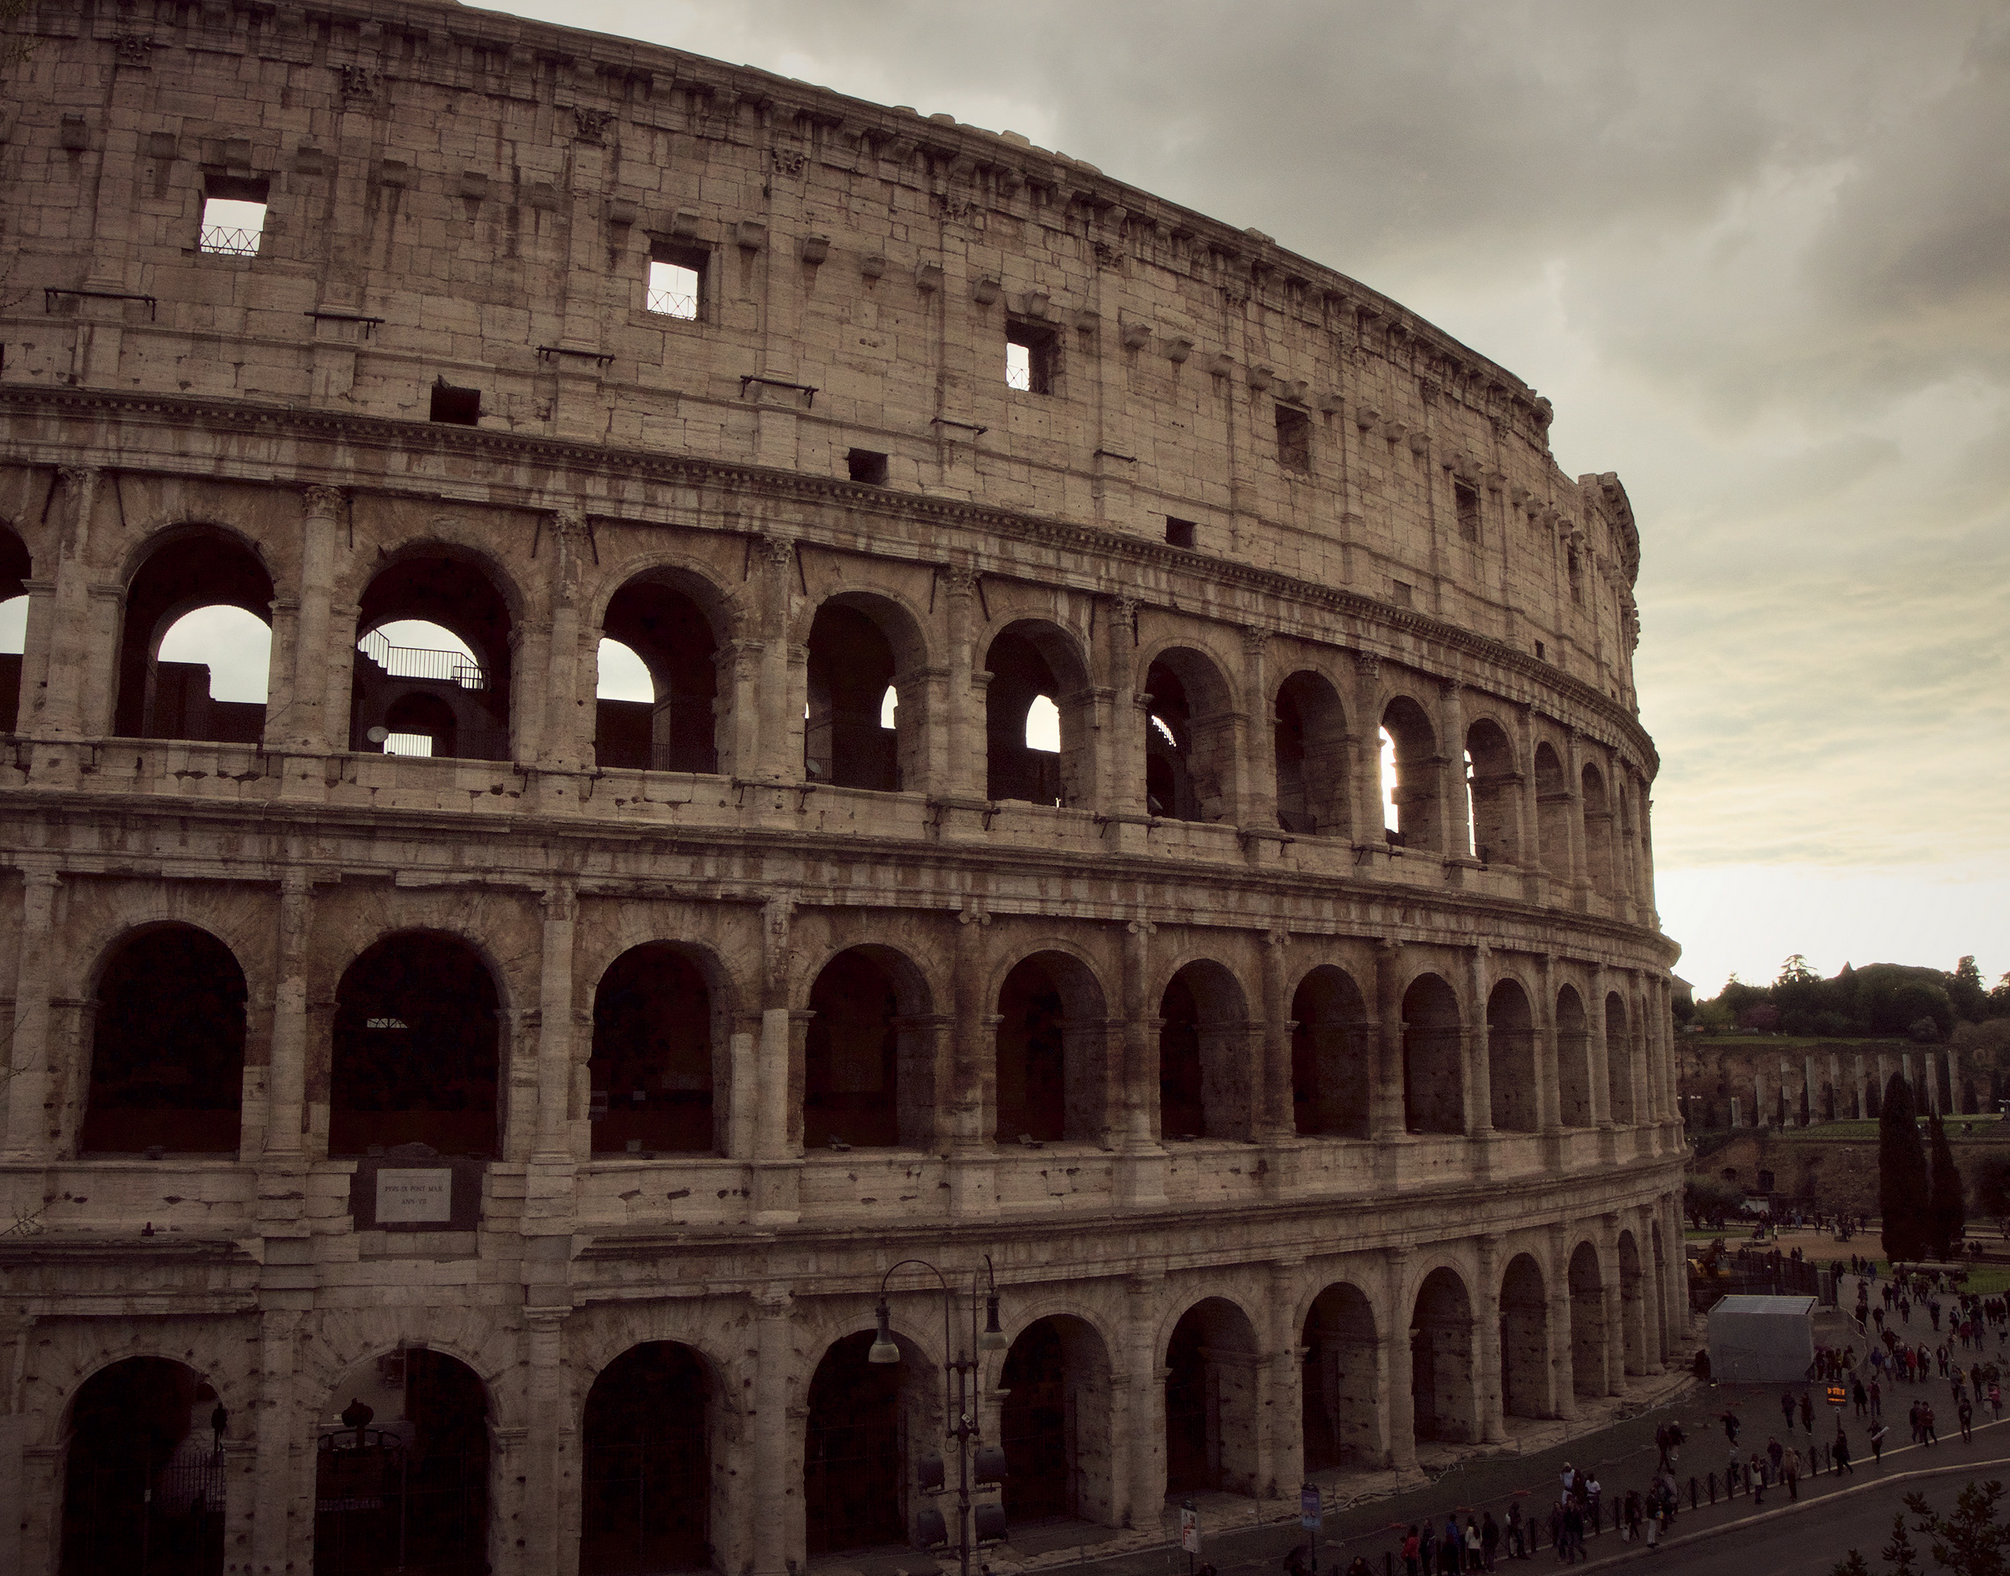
(959, 1401)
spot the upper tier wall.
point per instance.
(473, 199)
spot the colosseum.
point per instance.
(827, 687)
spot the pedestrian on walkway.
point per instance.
(1839, 1461)
(1412, 1545)
(1787, 1411)
(1965, 1415)
(1876, 1401)
(1475, 1549)
(1807, 1414)
(1926, 1428)
(1791, 1470)
(1774, 1451)
(1877, 1444)
(1758, 1480)
(1593, 1490)
(1859, 1395)
(1654, 1515)
(1517, 1532)
(1996, 1400)
(1490, 1538)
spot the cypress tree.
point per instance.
(1948, 1211)
(1903, 1190)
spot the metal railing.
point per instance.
(673, 303)
(230, 243)
(415, 662)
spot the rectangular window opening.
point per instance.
(1294, 439)
(458, 407)
(1406, 595)
(1540, 654)
(676, 281)
(233, 215)
(1179, 532)
(866, 466)
(1029, 357)
(1468, 499)
(1576, 575)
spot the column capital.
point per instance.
(1254, 641)
(1368, 665)
(318, 501)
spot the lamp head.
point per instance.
(883, 1348)
(993, 1338)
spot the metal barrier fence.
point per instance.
(415, 662)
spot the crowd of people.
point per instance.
(1855, 1385)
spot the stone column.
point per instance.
(1140, 1170)
(1762, 1114)
(1123, 752)
(548, 1454)
(1458, 841)
(1599, 1051)
(1911, 1083)
(965, 723)
(1573, 766)
(28, 1090)
(1486, 1339)
(555, 1025)
(1862, 1104)
(779, 754)
(1271, 1111)
(1883, 1077)
(56, 704)
(283, 1470)
(1280, 1409)
(1143, 1379)
(1614, 1304)
(1556, 1323)
(1549, 1081)
(1396, 1311)
(1479, 1065)
(306, 727)
(287, 1089)
(773, 1499)
(972, 1097)
(561, 704)
(1386, 1116)
(1256, 753)
(1953, 1081)
(1788, 1096)
(1368, 824)
(777, 1092)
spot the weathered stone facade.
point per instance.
(1295, 1139)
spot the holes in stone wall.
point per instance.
(15, 571)
(1181, 533)
(1466, 500)
(647, 1463)
(866, 466)
(665, 720)
(677, 274)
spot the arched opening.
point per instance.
(1618, 1060)
(869, 1055)
(1441, 1361)
(1049, 1052)
(1341, 1422)
(402, 1469)
(1587, 1322)
(415, 1049)
(1573, 1059)
(143, 1481)
(1203, 1055)
(434, 626)
(865, 706)
(646, 1464)
(1332, 1060)
(1434, 1097)
(1553, 808)
(863, 1420)
(1632, 1307)
(15, 572)
(1493, 786)
(212, 595)
(1036, 720)
(1309, 743)
(1419, 815)
(1189, 739)
(1598, 840)
(652, 1067)
(1524, 1340)
(1511, 1060)
(1211, 1401)
(167, 1049)
(658, 682)
(1055, 1423)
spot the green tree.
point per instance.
(1965, 992)
(1947, 1212)
(1706, 1199)
(1903, 1189)
(1971, 1541)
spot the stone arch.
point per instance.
(143, 1476)
(176, 573)
(1204, 1077)
(1525, 1372)
(1190, 761)
(670, 618)
(1211, 1402)
(1049, 1055)
(1511, 1060)
(1600, 855)
(1342, 1404)
(1311, 752)
(1573, 1059)
(402, 1460)
(1493, 784)
(1554, 806)
(660, 1052)
(1618, 1060)
(1418, 797)
(1030, 659)
(1332, 1055)
(651, 1459)
(1588, 1334)
(1632, 1306)
(869, 1053)
(465, 593)
(1433, 1071)
(1056, 1422)
(861, 645)
(866, 1427)
(416, 1048)
(1444, 1405)
(16, 570)
(167, 1044)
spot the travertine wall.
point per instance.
(462, 197)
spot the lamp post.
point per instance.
(959, 1404)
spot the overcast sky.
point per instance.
(1758, 255)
